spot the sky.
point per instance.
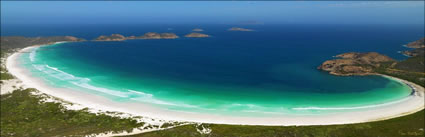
(212, 12)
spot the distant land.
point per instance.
(197, 29)
(113, 37)
(197, 35)
(419, 48)
(239, 29)
(372, 63)
(355, 63)
(12, 42)
(149, 35)
(417, 44)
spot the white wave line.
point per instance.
(350, 108)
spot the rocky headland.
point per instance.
(419, 47)
(11, 42)
(417, 44)
(197, 35)
(239, 29)
(414, 52)
(355, 63)
(372, 63)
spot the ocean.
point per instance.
(270, 71)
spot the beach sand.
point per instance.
(408, 105)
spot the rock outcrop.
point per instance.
(168, 36)
(239, 29)
(414, 53)
(154, 35)
(149, 35)
(197, 35)
(355, 63)
(418, 50)
(112, 37)
(417, 44)
(197, 29)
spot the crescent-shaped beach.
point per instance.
(408, 105)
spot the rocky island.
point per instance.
(149, 35)
(197, 35)
(112, 37)
(355, 63)
(239, 29)
(154, 35)
(197, 29)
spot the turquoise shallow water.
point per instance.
(231, 73)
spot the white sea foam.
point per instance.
(149, 98)
(99, 89)
(251, 106)
(32, 55)
(350, 108)
(141, 93)
(78, 81)
(84, 83)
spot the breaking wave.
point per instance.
(350, 108)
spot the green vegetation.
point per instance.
(24, 114)
(411, 69)
(415, 64)
(407, 126)
(17, 42)
(5, 76)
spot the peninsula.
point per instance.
(419, 48)
(13, 42)
(373, 63)
(239, 29)
(417, 44)
(355, 63)
(197, 35)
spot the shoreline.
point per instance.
(411, 104)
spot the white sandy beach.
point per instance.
(402, 107)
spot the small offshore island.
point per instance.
(197, 35)
(149, 35)
(197, 29)
(239, 29)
